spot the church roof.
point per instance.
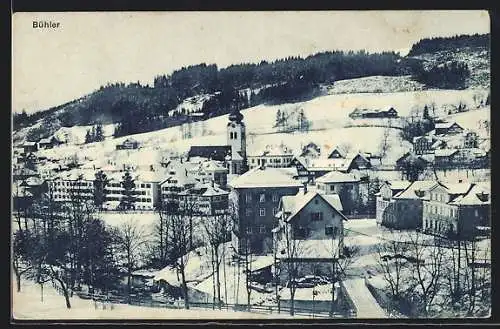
(235, 115)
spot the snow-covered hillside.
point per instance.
(328, 116)
(375, 84)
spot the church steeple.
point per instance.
(235, 116)
(236, 138)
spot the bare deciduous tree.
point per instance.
(130, 239)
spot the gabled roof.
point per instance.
(205, 189)
(397, 185)
(293, 204)
(411, 192)
(337, 177)
(446, 125)
(428, 138)
(264, 177)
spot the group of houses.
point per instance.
(451, 146)
(452, 210)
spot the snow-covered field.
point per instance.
(27, 305)
(328, 116)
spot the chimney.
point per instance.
(460, 181)
(305, 188)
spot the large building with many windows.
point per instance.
(72, 185)
(256, 196)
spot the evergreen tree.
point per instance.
(99, 134)
(100, 183)
(426, 113)
(128, 199)
(277, 123)
(93, 134)
(88, 138)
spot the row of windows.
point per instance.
(233, 135)
(304, 232)
(69, 190)
(262, 212)
(438, 197)
(261, 229)
(271, 160)
(440, 210)
(262, 197)
(70, 183)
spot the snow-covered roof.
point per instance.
(445, 152)
(205, 189)
(47, 140)
(212, 165)
(428, 138)
(293, 204)
(337, 177)
(398, 184)
(273, 150)
(457, 188)
(29, 144)
(76, 174)
(445, 125)
(479, 194)
(264, 177)
(412, 191)
(149, 176)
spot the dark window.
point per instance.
(328, 230)
(316, 216)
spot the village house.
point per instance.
(48, 143)
(310, 232)
(352, 192)
(310, 150)
(128, 144)
(146, 190)
(204, 199)
(309, 170)
(404, 210)
(274, 156)
(447, 128)
(387, 191)
(30, 147)
(457, 210)
(423, 145)
(373, 113)
(72, 185)
(256, 195)
(215, 171)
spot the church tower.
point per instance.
(236, 138)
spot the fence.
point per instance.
(104, 302)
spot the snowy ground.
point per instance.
(27, 305)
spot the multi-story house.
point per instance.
(384, 197)
(352, 192)
(274, 156)
(404, 211)
(310, 230)
(447, 128)
(211, 170)
(146, 190)
(204, 199)
(423, 145)
(72, 186)
(256, 196)
(457, 210)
